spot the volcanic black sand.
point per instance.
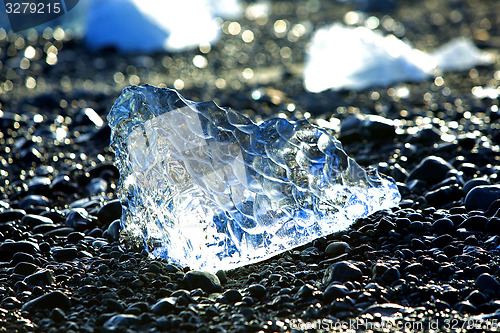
(429, 264)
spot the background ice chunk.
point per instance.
(341, 57)
(206, 187)
(152, 25)
(459, 54)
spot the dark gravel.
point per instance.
(432, 263)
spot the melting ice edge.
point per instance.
(205, 187)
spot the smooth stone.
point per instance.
(113, 231)
(44, 228)
(62, 183)
(377, 127)
(417, 244)
(208, 282)
(122, 320)
(474, 223)
(52, 300)
(32, 220)
(391, 275)
(444, 195)
(154, 268)
(341, 271)
(113, 305)
(172, 268)
(111, 211)
(221, 274)
(232, 295)
(415, 268)
(65, 254)
(305, 291)
(493, 226)
(105, 171)
(442, 241)
(431, 169)
(257, 290)
(8, 249)
(384, 225)
(33, 200)
(465, 307)
(96, 186)
(41, 278)
(57, 315)
(25, 268)
(443, 226)
(12, 215)
(164, 306)
(469, 185)
(485, 281)
(481, 197)
(334, 291)
(480, 269)
(75, 237)
(79, 219)
(39, 185)
(386, 309)
(24, 257)
(336, 248)
(476, 298)
(96, 233)
(62, 231)
(428, 136)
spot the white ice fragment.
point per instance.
(152, 25)
(341, 57)
(459, 54)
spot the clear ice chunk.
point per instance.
(206, 187)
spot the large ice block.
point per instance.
(207, 188)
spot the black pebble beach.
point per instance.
(430, 264)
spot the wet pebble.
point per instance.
(431, 169)
(52, 300)
(481, 197)
(474, 223)
(232, 295)
(41, 278)
(12, 215)
(79, 219)
(111, 211)
(334, 291)
(443, 226)
(444, 195)
(33, 200)
(493, 226)
(32, 220)
(469, 185)
(386, 309)
(257, 290)
(65, 254)
(487, 282)
(113, 231)
(336, 248)
(208, 282)
(391, 275)
(8, 249)
(25, 268)
(341, 271)
(121, 320)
